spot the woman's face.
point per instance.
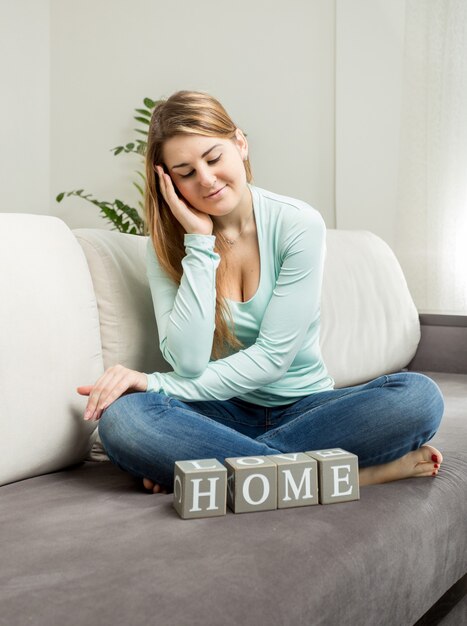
(208, 171)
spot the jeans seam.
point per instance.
(215, 418)
(219, 417)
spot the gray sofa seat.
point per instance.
(88, 545)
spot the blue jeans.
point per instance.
(379, 421)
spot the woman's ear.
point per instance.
(242, 144)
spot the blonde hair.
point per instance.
(187, 113)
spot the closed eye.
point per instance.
(211, 162)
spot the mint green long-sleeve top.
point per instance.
(279, 326)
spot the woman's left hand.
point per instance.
(111, 385)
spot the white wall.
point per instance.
(369, 62)
(24, 106)
(270, 63)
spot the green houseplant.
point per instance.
(125, 218)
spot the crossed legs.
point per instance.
(386, 422)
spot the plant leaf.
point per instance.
(124, 218)
(141, 147)
(139, 188)
(144, 112)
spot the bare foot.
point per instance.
(425, 461)
(152, 486)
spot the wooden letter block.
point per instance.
(338, 475)
(297, 479)
(200, 488)
(251, 484)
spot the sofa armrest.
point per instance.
(443, 344)
(50, 344)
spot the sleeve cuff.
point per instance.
(201, 242)
(153, 383)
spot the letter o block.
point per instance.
(297, 479)
(251, 484)
(200, 488)
(338, 475)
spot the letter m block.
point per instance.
(297, 479)
(338, 475)
(200, 488)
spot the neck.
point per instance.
(236, 220)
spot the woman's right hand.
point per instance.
(193, 221)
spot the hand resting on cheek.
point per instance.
(193, 221)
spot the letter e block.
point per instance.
(251, 484)
(297, 479)
(200, 488)
(338, 475)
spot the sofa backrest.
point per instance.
(370, 325)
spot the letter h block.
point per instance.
(251, 484)
(297, 479)
(338, 475)
(200, 488)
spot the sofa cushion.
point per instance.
(50, 344)
(117, 262)
(369, 323)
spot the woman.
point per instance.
(235, 274)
